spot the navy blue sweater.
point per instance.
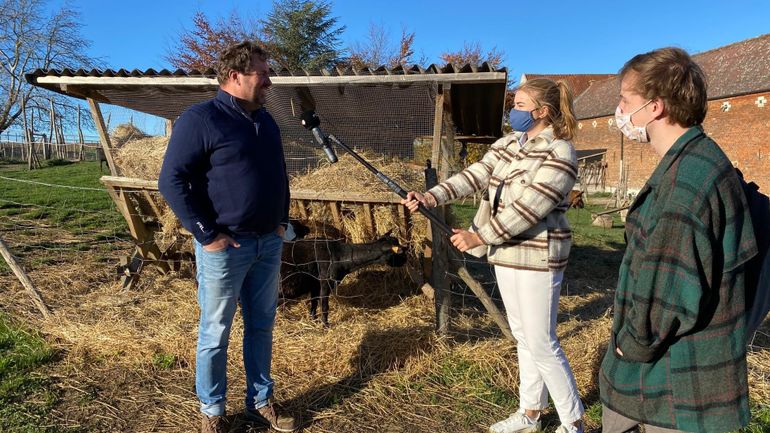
(224, 171)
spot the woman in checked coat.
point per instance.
(528, 176)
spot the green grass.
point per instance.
(760, 420)
(42, 199)
(468, 382)
(164, 361)
(462, 214)
(580, 220)
(26, 395)
(41, 195)
(760, 417)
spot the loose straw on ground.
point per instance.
(24, 280)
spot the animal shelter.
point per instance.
(411, 123)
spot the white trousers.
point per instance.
(531, 301)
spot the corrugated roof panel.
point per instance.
(477, 102)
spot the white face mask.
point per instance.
(636, 133)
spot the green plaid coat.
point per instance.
(679, 315)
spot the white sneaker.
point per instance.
(564, 428)
(516, 423)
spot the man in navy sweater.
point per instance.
(224, 176)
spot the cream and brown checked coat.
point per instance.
(530, 230)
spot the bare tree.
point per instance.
(198, 48)
(473, 54)
(377, 49)
(31, 37)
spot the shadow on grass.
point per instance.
(378, 352)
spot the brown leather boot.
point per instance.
(213, 424)
(267, 416)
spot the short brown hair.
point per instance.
(238, 57)
(671, 75)
(557, 96)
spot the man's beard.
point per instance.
(260, 98)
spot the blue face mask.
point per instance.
(521, 120)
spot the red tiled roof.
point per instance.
(736, 69)
(577, 82)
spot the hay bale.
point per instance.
(422, 147)
(604, 221)
(349, 175)
(142, 157)
(124, 133)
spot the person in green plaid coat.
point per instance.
(676, 359)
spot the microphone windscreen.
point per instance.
(310, 120)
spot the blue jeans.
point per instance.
(248, 274)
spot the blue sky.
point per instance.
(590, 36)
(544, 37)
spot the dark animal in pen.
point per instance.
(315, 229)
(316, 266)
(102, 158)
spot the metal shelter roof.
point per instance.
(477, 92)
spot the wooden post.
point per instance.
(302, 209)
(169, 127)
(104, 137)
(336, 209)
(146, 248)
(24, 280)
(60, 138)
(81, 140)
(438, 116)
(369, 218)
(439, 264)
(26, 134)
(448, 144)
(404, 221)
(486, 300)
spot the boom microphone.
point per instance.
(311, 122)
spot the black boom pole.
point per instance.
(311, 122)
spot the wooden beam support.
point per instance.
(143, 236)
(486, 300)
(299, 80)
(439, 262)
(150, 201)
(24, 280)
(369, 218)
(448, 143)
(336, 208)
(302, 209)
(83, 93)
(404, 220)
(438, 115)
(104, 136)
(345, 197)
